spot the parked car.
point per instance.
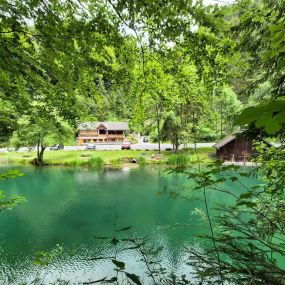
(57, 147)
(126, 145)
(91, 146)
(145, 139)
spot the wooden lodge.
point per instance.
(90, 132)
(236, 148)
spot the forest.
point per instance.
(180, 74)
(179, 71)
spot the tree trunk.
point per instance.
(158, 136)
(40, 153)
(221, 125)
(41, 156)
(38, 147)
(176, 143)
(158, 127)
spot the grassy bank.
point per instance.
(114, 158)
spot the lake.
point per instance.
(69, 211)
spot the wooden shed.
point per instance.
(236, 148)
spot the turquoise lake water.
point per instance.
(68, 207)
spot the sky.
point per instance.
(219, 2)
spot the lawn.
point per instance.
(111, 157)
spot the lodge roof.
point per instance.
(114, 126)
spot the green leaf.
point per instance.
(134, 278)
(119, 264)
(247, 116)
(272, 126)
(262, 121)
(10, 174)
(280, 117)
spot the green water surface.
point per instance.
(68, 207)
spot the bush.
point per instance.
(96, 162)
(132, 139)
(178, 160)
(141, 160)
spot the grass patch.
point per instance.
(180, 160)
(117, 163)
(96, 162)
(114, 158)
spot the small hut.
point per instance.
(236, 148)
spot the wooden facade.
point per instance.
(236, 148)
(96, 132)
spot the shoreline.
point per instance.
(109, 159)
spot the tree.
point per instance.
(171, 130)
(228, 106)
(153, 93)
(41, 128)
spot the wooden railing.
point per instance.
(233, 158)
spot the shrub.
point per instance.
(96, 162)
(178, 160)
(132, 139)
(141, 160)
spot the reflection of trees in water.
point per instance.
(70, 212)
(99, 175)
(148, 259)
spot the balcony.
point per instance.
(83, 138)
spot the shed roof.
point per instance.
(225, 141)
(114, 126)
(232, 137)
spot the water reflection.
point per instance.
(71, 206)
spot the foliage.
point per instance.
(171, 130)
(43, 258)
(41, 129)
(249, 234)
(141, 160)
(131, 138)
(259, 30)
(269, 115)
(173, 66)
(117, 163)
(228, 107)
(9, 203)
(124, 240)
(96, 162)
(178, 160)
